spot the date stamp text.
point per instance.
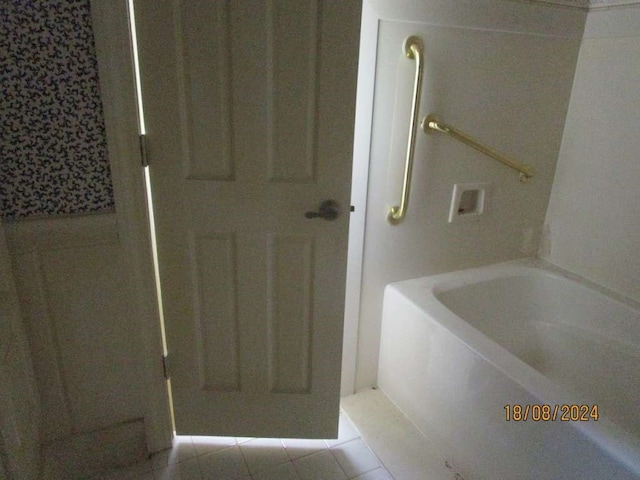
(551, 413)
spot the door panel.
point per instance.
(249, 109)
(216, 313)
(290, 312)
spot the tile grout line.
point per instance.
(380, 462)
(246, 464)
(336, 460)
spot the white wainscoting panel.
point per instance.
(19, 405)
(74, 292)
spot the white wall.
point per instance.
(593, 226)
(502, 71)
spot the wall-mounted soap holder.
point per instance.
(469, 200)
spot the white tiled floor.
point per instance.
(404, 451)
(222, 458)
(401, 452)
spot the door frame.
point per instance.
(359, 191)
(119, 102)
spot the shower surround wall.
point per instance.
(592, 227)
(503, 72)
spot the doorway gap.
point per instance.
(147, 179)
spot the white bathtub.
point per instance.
(457, 348)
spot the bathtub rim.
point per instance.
(619, 443)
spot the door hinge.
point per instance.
(143, 150)
(165, 366)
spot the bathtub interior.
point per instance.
(570, 333)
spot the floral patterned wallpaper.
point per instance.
(53, 155)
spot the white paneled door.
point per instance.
(249, 108)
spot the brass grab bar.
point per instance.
(431, 122)
(413, 50)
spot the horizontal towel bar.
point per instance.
(431, 122)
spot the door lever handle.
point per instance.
(328, 210)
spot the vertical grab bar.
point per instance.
(413, 50)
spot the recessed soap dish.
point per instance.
(469, 200)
